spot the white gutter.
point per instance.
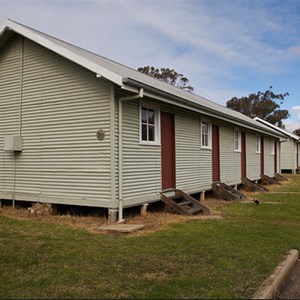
(120, 163)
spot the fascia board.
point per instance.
(66, 53)
(4, 26)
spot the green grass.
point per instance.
(226, 258)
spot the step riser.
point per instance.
(182, 203)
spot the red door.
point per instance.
(297, 158)
(215, 153)
(275, 157)
(243, 156)
(262, 157)
(168, 151)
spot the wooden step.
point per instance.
(226, 192)
(179, 202)
(193, 211)
(251, 186)
(280, 177)
(183, 203)
(265, 179)
(177, 198)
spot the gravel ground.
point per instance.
(291, 288)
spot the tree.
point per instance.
(169, 76)
(263, 105)
(297, 131)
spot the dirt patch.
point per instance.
(155, 219)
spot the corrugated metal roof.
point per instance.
(122, 76)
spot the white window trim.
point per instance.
(239, 149)
(209, 146)
(156, 109)
(258, 142)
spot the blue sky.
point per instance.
(226, 48)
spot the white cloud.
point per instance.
(212, 43)
(296, 110)
(294, 122)
(291, 125)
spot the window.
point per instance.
(149, 125)
(237, 140)
(205, 134)
(257, 144)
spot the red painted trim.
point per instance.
(243, 155)
(215, 153)
(168, 151)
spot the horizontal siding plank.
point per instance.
(63, 107)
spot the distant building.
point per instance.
(289, 152)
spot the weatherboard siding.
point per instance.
(142, 163)
(230, 161)
(269, 158)
(252, 158)
(288, 157)
(141, 174)
(193, 164)
(63, 106)
(9, 116)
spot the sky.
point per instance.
(226, 48)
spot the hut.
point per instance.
(77, 128)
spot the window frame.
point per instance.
(239, 140)
(156, 109)
(209, 134)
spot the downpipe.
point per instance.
(120, 153)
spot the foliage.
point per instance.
(297, 131)
(169, 76)
(263, 105)
(207, 259)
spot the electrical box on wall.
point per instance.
(12, 143)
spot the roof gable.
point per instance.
(62, 48)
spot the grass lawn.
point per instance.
(227, 258)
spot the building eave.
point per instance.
(150, 91)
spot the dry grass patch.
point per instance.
(153, 220)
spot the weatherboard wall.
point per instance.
(252, 157)
(193, 163)
(141, 164)
(268, 157)
(230, 160)
(62, 107)
(10, 70)
(288, 155)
